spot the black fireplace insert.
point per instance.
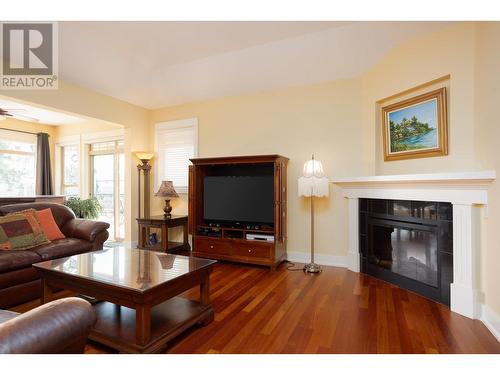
(408, 243)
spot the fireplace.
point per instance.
(408, 243)
(468, 194)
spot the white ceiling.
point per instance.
(31, 113)
(159, 64)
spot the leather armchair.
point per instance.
(61, 326)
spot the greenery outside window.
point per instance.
(17, 164)
(70, 182)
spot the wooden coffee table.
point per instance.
(139, 310)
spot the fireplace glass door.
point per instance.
(409, 244)
(409, 250)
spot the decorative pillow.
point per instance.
(21, 231)
(49, 225)
(30, 214)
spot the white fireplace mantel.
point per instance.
(467, 191)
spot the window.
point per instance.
(108, 184)
(17, 164)
(106, 147)
(70, 170)
(176, 143)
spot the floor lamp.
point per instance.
(313, 183)
(145, 167)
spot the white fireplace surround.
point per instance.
(467, 191)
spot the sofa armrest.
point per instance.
(60, 326)
(87, 230)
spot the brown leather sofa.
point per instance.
(60, 326)
(19, 281)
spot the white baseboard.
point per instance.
(353, 261)
(464, 301)
(491, 320)
(321, 259)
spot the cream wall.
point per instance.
(80, 101)
(90, 126)
(487, 141)
(321, 119)
(450, 51)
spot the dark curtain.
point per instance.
(43, 170)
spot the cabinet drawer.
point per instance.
(252, 249)
(212, 246)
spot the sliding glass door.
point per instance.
(108, 184)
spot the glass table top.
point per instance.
(127, 267)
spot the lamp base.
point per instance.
(312, 268)
(167, 209)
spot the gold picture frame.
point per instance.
(416, 127)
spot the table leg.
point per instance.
(142, 236)
(205, 290)
(46, 292)
(164, 237)
(185, 229)
(143, 324)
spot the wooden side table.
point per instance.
(163, 223)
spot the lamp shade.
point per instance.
(167, 190)
(313, 167)
(143, 155)
(313, 182)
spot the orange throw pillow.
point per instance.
(49, 225)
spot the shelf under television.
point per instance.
(267, 231)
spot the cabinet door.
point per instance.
(252, 249)
(283, 205)
(191, 200)
(215, 246)
(277, 201)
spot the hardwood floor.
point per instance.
(337, 311)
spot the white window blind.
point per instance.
(176, 144)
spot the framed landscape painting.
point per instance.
(416, 127)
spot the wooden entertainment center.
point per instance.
(229, 242)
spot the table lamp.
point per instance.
(167, 191)
(313, 183)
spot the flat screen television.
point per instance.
(239, 199)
